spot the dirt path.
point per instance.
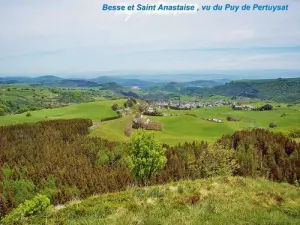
(96, 125)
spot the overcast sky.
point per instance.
(69, 36)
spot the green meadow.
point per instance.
(182, 127)
(93, 110)
(178, 126)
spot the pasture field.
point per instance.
(24, 92)
(188, 125)
(178, 125)
(92, 110)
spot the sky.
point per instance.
(39, 37)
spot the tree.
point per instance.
(266, 107)
(272, 125)
(130, 103)
(115, 107)
(2, 112)
(216, 160)
(146, 156)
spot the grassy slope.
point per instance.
(182, 127)
(220, 200)
(113, 130)
(23, 91)
(93, 110)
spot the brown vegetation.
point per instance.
(57, 158)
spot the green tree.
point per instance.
(217, 161)
(115, 107)
(2, 112)
(146, 156)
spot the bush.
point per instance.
(111, 118)
(266, 107)
(102, 158)
(230, 118)
(130, 103)
(2, 112)
(28, 114)
(21, 110)
(128, 131)
(115, 107)
(217, 161)
(283, 115)
(191, 114)
(32, 207)
(272, 125)
(146, 156)
(294, 133)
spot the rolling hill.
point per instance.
(280, 90)
(92, 110)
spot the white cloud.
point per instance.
(68, 35)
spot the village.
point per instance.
(184, 105)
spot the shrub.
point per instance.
(28, 114)
(111, 118)
(193, 199)
(115, 107)
(102, 158)
(32, 207)
(230, 118)
(217, 161)
(128, 131)
(2, 112)
(130, 103)
(283, 115)
(156, 193)
(191, 114)
(294, 133)
(146, 156)
(21, 110)
(272, 125)
(266, 107)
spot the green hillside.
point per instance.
(279, 90)
(219, 200)
(189, 126)
(93, 110)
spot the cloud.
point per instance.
(70, 35)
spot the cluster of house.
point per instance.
(213, 120)
(244, 107)
(143, 122)
(186, 104)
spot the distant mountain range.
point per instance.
(51, 80)
(281, 89)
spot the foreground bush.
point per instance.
(27, 209)
(294, 133)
